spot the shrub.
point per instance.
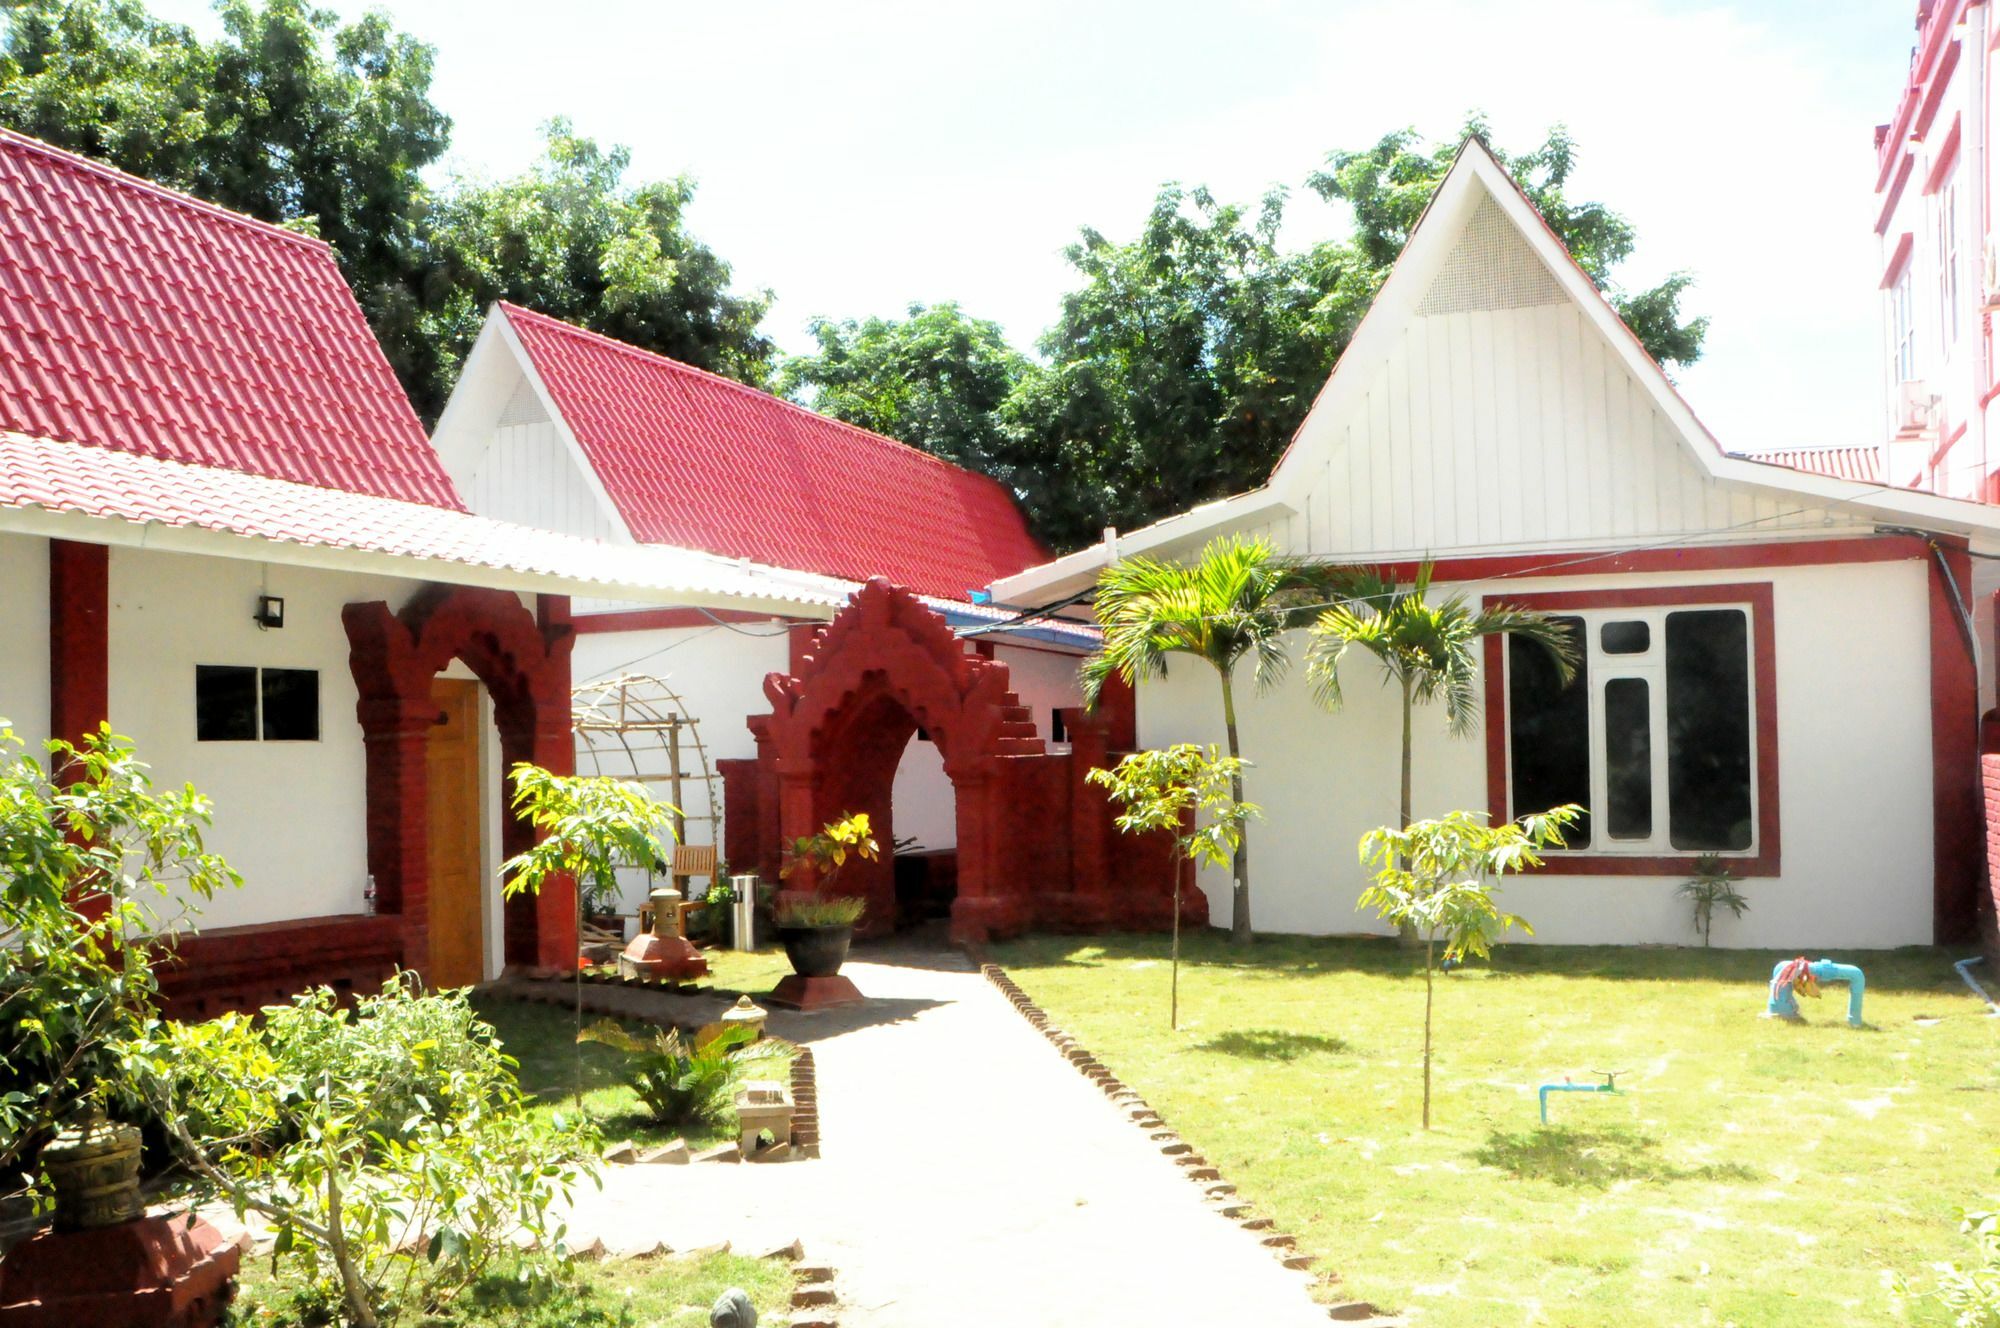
(689, 1082)
(398, 1124)
(1713, 886)
(93, 861)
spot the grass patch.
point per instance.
(543, 1039)
(626, 1293)
(1753, 1172)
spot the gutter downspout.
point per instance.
(1977, 17)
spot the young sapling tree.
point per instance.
(1434, 878)
(1711, 887)
(1192, 793)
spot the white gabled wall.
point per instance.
(1854, 740)
(1498, 418)
(526, 474)
(290, 817)
(24, 637)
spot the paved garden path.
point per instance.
(970, 1177)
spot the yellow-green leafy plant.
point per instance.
(1192, 793)
(97, 868)
(390, 1214)
(690, 1080)
(1435, 878)
(824, 855)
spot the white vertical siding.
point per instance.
(526, 474)
(1491, 430)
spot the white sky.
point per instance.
(860, 155)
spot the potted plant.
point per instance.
(817, 927)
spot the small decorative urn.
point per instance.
(93, 1167)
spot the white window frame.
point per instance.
(1950, 310)
(1650, 666)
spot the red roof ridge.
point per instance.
(140, 184)
(683, 367)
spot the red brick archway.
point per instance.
(524, 664)
(1036, 845)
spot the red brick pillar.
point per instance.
(395, 734)
(554, 750)
(1989, 896)
(79, 639)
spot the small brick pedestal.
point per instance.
(797, 993)
(154, 1272)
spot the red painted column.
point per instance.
(395, 736)
(79, 639)
(1958, 837)
(555, 903)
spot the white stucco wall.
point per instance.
(719, 672)
(24, 636)
(1854, 740)
(289, 816)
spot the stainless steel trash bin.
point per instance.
(745, 910)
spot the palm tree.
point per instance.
(1237, 599)
(1427, 650)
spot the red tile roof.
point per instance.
(1843, 463)
(139, 319)
(696, 460)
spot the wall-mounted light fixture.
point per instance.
(270, 611)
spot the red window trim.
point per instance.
(1947, 160)
(1763, 651)
(1888, 212)
(1899, 259)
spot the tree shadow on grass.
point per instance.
(1593, 1158)
(1272, 1044)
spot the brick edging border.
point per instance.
(1195, 1167)
(805, 1076)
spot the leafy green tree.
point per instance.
(93, 862)
(1185, 359)
(290, 115)
(1388, 186)
(1178, 368)
(573, 238)
(935, 380)
(1192, 793)
(1237, 599)
(1435, 878)
(1429, 652)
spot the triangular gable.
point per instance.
(1463, 468)
(509, 450)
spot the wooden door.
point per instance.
(458, 954)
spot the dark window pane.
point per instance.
(1628, 758)
(1708, 729)
(225, 703)
(1549, 725)
(1625, 638)
(291, 705)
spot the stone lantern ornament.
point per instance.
(105, 1264)
(662, 952)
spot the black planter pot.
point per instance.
(816, 952)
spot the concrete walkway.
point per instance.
(970, 1176)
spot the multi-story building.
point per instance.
(1940, 263)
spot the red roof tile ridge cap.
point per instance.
(681, 366)
(139, 183)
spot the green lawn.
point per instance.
(624, 1293)
(1757, 1172)
(543, 1039)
